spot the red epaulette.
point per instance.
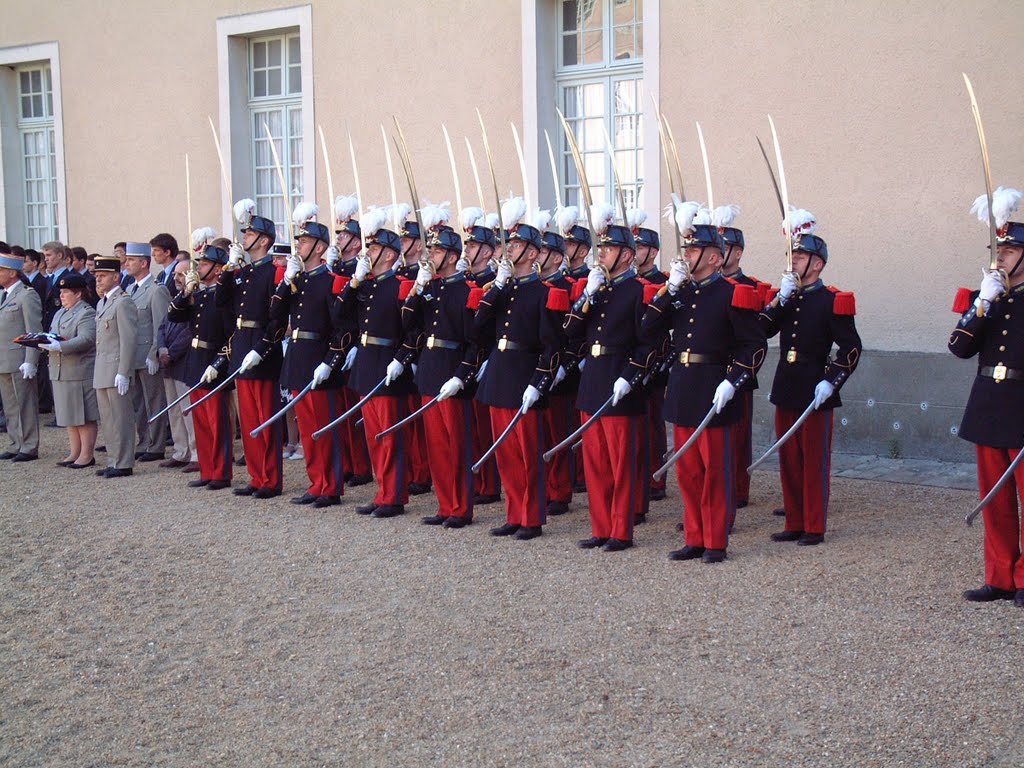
(340, 281)
(650, 291)
(770, 295)
(577, 289)
(962, 302)
(279, 275)
(558, 299)
(844, 303)
(404, 287)
(745, 297)
(475, 295)
(762, 290)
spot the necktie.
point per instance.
(3, 296)
(135, 288)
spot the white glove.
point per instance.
(350, 358)
(822, 392)
(321, 373)
(788, 286)
(52, 346)
(677, 275)
(992, 286)
(152, 366)
(503, 276)
(582, 362)
(463, 265)
(28, 370)
(594, 282)
(250, 361)
(331, 256)
(235, 255)
(293, 268)
(191, 282)
(122, 384)
(723, 395)
(395, 369)
(559, 376)
(620, 389)
(208, 375)
(481, 369)
(424, 275)
(362, 269)
(450, 388)
(530, 397)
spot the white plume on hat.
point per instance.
(434, 215)
(345, 207)
(202, 237)
(304, 211)
(635, 217)
(491, 221)
(724, 215)
(684, 216)
(512, 212)
(374, 219)
(801, 222)
(472, 217)
(400, 212)
(244, 210)
(703, 216)
(566, 217)
(1005, 202)
(603, 216)
(540, 220)
(670, 210)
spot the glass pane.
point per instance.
(624, 44)
(570, 50)
(294, 50)
(592, 14)
(259, 55)
(49, 104)
(570, 102)
(274, 53)
(593, 48)
(48, 79)
(639, 41)
(570, 11)
(26, 106)
(37, 106)
(624, 11)
(25, 84)
(591, 137)
(273, 82)
(37, 81)
(259, 83)
(294, 80)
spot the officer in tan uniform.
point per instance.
(20, 312)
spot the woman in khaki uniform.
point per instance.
(71, 369)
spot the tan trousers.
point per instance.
(182, 430)
(117, 415)
(20, 398)
(148, 399)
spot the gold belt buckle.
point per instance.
(195, 343)
(595, 350)
(430, 341)
(791, 356)
(362, 339)
(684, 357)
(502, 344)
(295, 335)
(999, 372)
(238, 324)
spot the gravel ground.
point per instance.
(146, 623)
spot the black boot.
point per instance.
(617, 545)
(713, 555)
(504, 530)
(457, 522)
(787, 535)
(592, 543)
(433, 520)
(810, 539)
(366, 509)
(527, 532)
(988, 593)
(686, 553)
(557, 507)
(306, 498)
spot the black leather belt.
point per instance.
(507, 345)
(200, 344)
(435, 343)
(305, 335)
(366, 340)
(599, 350)
(692, 358)
(248, 324)
(1000, 373)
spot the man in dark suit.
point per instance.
(165, 253)
(34, 273)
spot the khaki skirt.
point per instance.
(74, 403)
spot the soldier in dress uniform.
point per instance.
(808, 318)
(436, 318)
(523, 316)
(717, 345)
(212, 326)
(607, 319)
(991, 326)
(117, 322)
(577, 244)
(20, 312)
(316, 352)
(246, 291)
(372, 302)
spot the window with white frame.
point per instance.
(599, 81)
(38, 154)
(275, 101)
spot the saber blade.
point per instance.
(177, 400)
(189, 408)
(508, 430)
(330, 176)
(287, 407)
(359, 193)
(969, 519)
(988, 171)
(707, 168)
(522, 167)
(455, 170)
(571, 439)
(785, 196)
(775, 183)
(476, 175)
(789, 433)
(411, 417)
(663, 470)
(383, 382)
(285, 195)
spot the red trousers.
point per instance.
(487, 481)
(805, 465)
(656, 433)
(323, 457)
(355, 454)
(614, 457)
(559, 421)
(214, 434)
(741, 432)
(579, 475)
(521, 464)
(448, 426)
(258, 400)
(419, 465)
(705, 480)
(388, 455)
(1004, 566)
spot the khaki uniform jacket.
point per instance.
(21, 312)
(151, 300)
(77, 356)
(117, 323)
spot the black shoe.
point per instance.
(240, 461)
(592, 543)
(248, 490)
(7, 455)
(306, 498)
(640, 519)
(504, 530)
(218, 485)
(489, 498)
(686, 553)
(118, 473)
(103, 472)
(327, 501)
(139, 455)
(150, 457)
(200, 483)
(24, 457)
(366, 509)
(64, 463)
(266, 493)
(557, 507)
(787, 535)
(616, 545)
(73, 465)
(713, 555)
(810, 539)
(988, 593)
(657, 495)
(779, 512)
(1018, 599)
(388, 510)
(527, 532)
(418, 489)
(433, 520)
(357, 480)
(743, 503)
(457, 522)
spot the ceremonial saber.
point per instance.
(571, 439)
(508, 430)
(411, 417)
(391, 183)
(410, 177)
(988, 171)
(771, 172)
(359, 421)
(455, 169)
(176, 401)
(789, 433)
(383, 382)
(285, 195)
(476, 175)
(494, 183)
(193, 262)
(359, 194)
(969, 519)
(707, 168)
(785, 196)
(522, 167)
(224, 177)
(663, 470)
(554, 169)
(615, 170)
(666, 153)
(288, 406)
(581, 171)
(189, 408)
(330, 177)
